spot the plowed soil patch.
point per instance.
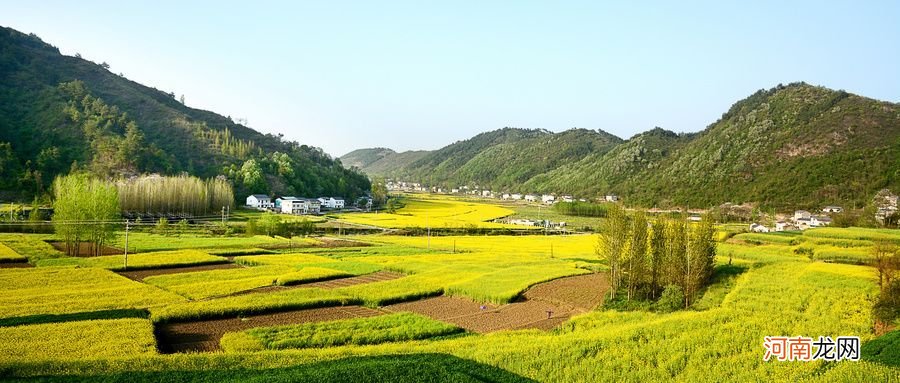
(203, 336)
(14, 265)
(377, 276)
(545, 306)
(139, 275)
(582, 292)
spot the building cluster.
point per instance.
(801, 220)
(547, 199)
(294, 205)
(539, 223)
(885, 205)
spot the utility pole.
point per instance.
(223, 215)
(428, 235)
(127, 226)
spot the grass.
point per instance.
(768, 238)
(43, 291)
(420, 212)
(9, 255)
(146, 242)
(778, 292)
(409, 368)
(77, 340)
(359, 331)
(31, 246)
(139, 261)
(310, 274)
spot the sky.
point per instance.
(407, 75)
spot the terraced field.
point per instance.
(527, 304)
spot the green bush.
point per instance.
(672, 299)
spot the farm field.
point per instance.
(517, 307)
(435, 212)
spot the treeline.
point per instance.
(178, 194)
(582, 209)
(664, 258)
(86, 210)
(272, 224)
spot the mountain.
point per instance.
(59, 113)
(503, 158)
(791, 146)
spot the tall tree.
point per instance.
(636, 258)
(611, 245)
(657, 254)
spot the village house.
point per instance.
(832, 209)
(298, 206)
(548, 199)
(454, 190)
(802, 214)
(567, 198)
(331, 202)
(260, 201)
(523, 222)
(487, 193)
(515, 196)
(785, 226)
(612, 198)
(757, 228)
(531, 198)
(505, 196)
(695, 218)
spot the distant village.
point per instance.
(298, 205)
(886, 205)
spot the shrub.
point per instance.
(672, 299)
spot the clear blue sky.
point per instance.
(409, 75)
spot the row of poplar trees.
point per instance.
(85, 211)
(645, 256)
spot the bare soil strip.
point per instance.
(204, 336)
(15, 265)
(377, 276)
(546, 306)
(139, 275)
(86, 250)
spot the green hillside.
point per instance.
(790, 146)
(59, 113)
(502, 158)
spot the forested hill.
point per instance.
(503, 158)
(793, 146)
(59, 113)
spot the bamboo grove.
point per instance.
(178, 194)
(647, 257)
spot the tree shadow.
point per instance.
(384, 368)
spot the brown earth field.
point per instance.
(204, 336)
(15, 265)
(85, 250)
(544, 306)
(139, 275)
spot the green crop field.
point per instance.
(361, 331)
(139, 261)
(32, 294)
(766, 286)
(9, 255)
(31, 246)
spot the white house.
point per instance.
(784, 226)
(531, 198)
(260, 201)
(832, 209)
(819, 220)
(297, 206)
(523, 222)
(280, 201)
(516, 196)
(568, 198)
(802, 215)
(486, 193)
(757, 228)
(612, 198)
(695, 218)
(548, 199)
(454, 190)
(505, 196)
(331, 202)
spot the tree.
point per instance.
(886, 261)
(611, 245)
(657, 254)
(635, 264)
(85, 210)
(701, 253)
(162, 226)
(379, 191)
